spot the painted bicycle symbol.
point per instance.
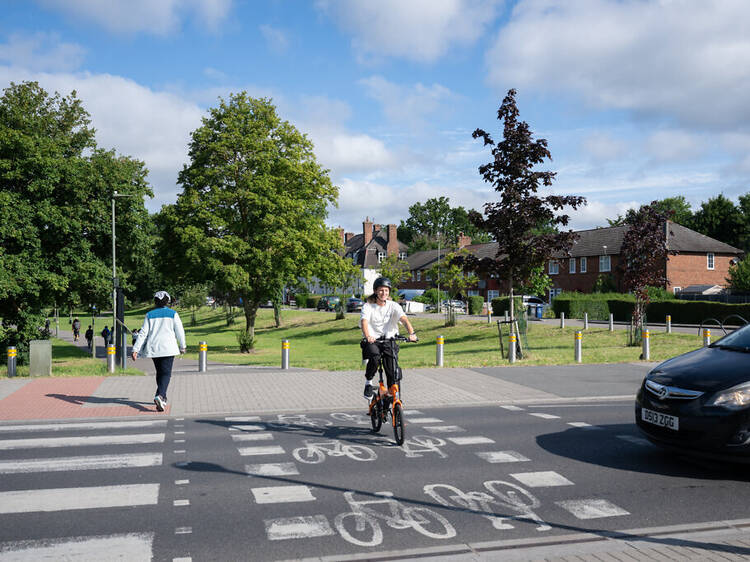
(285, 420)
(361, 525)
(358, 419)
(420, 444)
(500, 494)
(315, 452)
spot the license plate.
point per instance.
(662, 420)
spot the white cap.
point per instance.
(161, 294)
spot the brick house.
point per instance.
(700, 260)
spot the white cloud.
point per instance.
(134, 120)
(276, 38)
(41, 51)
(408, 105)
(419, 30)
(159, 17)
(686, 61)
(673, 146)
(603, 147)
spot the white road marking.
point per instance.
(412, 413)
(542, 479)
(182, 559)
(546, 416)
(584, 425)
(179, 452)
(183, 530)
(141, 439)
(179, 433)
(269, 450)
(94, 462)
(247, 427)
(512, 408)
(63, 499)
(272, 469)
(283, 494)
(502, 456)
(298, 527)
(444, 428)
(265, 436)
(470, 440)
(636, 440)
(592, 509)
(181, 482)
(179, 441)
(131, 546)
(242, 419)
(180, 503)
(84, 425)
(425, 420)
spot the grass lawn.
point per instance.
(319, 341)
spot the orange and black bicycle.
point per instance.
(387, 401)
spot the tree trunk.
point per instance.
(277, 313)
(251, 313)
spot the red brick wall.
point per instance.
(691, 269)
(584, 282)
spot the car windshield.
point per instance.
(739, 339)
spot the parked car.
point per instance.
(458, 306)
(353, 304)
(699, 402)
(328, 302)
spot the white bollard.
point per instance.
(585, 320)
(611, 322)
(646, 347)
(562, 320)
(202, 356)
(512, 346)
(706, 337)
(669, 324)
(12, 353)
(578, 346)
(110, 358)
(285, 354)
(439, 351)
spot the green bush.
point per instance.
(312, 301)
(431, 296)
(301, 299)
(501, 304)
(476, 303)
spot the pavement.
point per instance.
(229, 389)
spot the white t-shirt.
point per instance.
(382, 320)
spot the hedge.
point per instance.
(312, 301)
(501, 304)
(599, 307)
(476, 302)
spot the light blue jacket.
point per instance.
(161, 335)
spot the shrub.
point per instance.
(312, 301)
(245, 341)
(476, 303)
(501, 304)
(300, 300)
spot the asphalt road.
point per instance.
(288, 486)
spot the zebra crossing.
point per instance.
(254, 439)
(40, 478)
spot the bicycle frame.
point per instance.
(394, 392)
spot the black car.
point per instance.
(699, 402)
(328, 302)
(353, 304)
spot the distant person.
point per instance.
(76, 329)
(106, 335)
(89, 337)
(161, 337)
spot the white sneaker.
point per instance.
(160, 403)
(369, 389)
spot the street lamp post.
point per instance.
(115, 283)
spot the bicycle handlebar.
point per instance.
(397, 337)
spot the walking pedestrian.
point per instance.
(106, 334)
(89, 337)
(161, 337)
(76, 329)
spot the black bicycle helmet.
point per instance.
(381, 282)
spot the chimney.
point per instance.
(392, 247)
(341, 234)
(463, 240)
(367, 230)
(375, 229)
(348, 236)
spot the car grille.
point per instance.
(664, 392)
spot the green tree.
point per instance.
(434, 223)
(450, 276)
(250, 217)
(538, 282)
(193, 298)
(677, 209)
(396, 270)
(55, 200)
(721, 219)
(739, 277)
(512, 220)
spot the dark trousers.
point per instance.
(388, 350)
(163, 367)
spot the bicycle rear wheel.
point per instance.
(376, 415)
(398, 424)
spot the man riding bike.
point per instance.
(379, 319)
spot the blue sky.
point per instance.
(638, 99)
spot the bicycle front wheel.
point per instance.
(376, 415)
(398, 424)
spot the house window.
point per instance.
(473, 293)
(583, 265)
(572, 266)
(710, 260)
(402, 255)
(554, 267)
(676, 290)
(492, 294)
(381, 257)
(419, 275)
(413, 276)
(605, 263)
(554, 292)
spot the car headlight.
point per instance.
(735, 397)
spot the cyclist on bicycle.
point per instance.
(379, 321)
